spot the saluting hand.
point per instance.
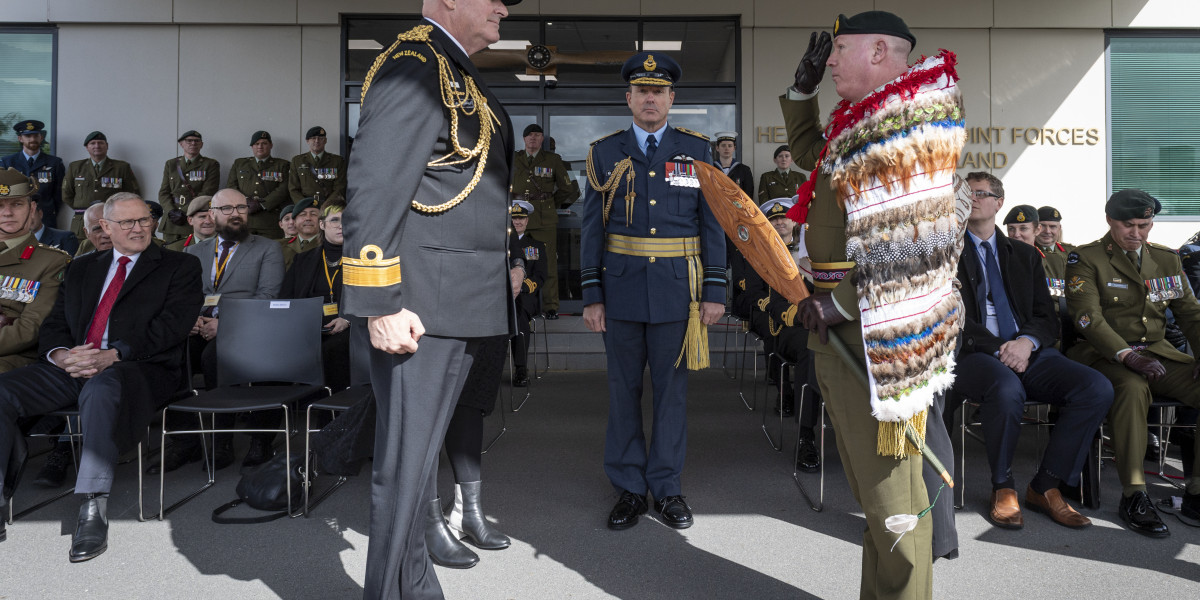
(812, 66)
(396, 334)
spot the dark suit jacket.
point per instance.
(533, 253)
(454, 263)
(306, 271)
(48, 171)
(1025, 285)
(148, 325)
(57, 238)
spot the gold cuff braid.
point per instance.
(371, 272)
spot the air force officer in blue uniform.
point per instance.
(653, 263)
(47, 170)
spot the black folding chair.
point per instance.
(252, 334)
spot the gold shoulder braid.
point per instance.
(469, 100)
(609, 188)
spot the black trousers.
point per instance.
(41, 388)
(415, 395)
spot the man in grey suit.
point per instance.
(236, 265)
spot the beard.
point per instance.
(234, 230)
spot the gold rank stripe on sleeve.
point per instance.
(365, 271)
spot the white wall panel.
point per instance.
(320, 98)
(237, 12)
(108, 11)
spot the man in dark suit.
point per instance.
(113, 344)
(442, 218)
(528, 300)
(1008, 356)
(45, 169)
(236, 264)
(652, 259)
(49, 236)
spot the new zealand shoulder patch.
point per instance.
(690, 132)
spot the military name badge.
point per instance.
(1057, 286)
(1165, 288)
(543, 172)
(531, 253)
(682, 174)
(1075, 284)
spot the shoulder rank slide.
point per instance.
(602, 138)
(690, 132)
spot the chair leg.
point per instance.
(962, 458)
(503, 428)
(741, 369)
(209, 464)
(512, 367)
(819, 505)
(783, 366)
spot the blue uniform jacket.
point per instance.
(48, 171)
(638, 288)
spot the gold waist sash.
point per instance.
(656, 247)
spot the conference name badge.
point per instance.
(211, 300)
(330, 309)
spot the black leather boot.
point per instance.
(91, 533)
(467, 519)
(444, 548)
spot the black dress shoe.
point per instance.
(91, 534)
(674, 512)
(223, 455)
(1189, 512)
(625, 513)
(808, 459)
(551, 315)
(1152, 447)
(55, 470)
(789, 406)
(520, 377)
(260, 452)
(1137, 511)
(176, 455)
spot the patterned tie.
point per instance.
(100, 320)
(651, 146)
(1004, 315)
(1135, 259)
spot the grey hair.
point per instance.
(112, 201)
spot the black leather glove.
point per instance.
(256, 205)
(812, 66)
(1143, 365)
(817, 313)
(177, 217)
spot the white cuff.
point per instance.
(794, 94)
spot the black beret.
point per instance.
(95, 135)
(155, 209)
(190, 133)
(29, 126)
(532, 128)
(285, 211)
(313, 132)
(873, 21)
(1021, 213)
(649, 68)
(260, 135)
(783, 148)
(1049, 213)
(1131, 204)
(303, 204)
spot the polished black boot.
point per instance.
(91, 533)
(467, 519)
(1138, 514)
(443, 547)
(520, 377)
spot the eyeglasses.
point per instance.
(981, 194)
(228, 210)
(128, 224)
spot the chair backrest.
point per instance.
(269, 340)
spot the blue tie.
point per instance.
(1004, 315)
(651, 146)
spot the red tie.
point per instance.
(100, 319)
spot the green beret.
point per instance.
(285, 211)
(873, 21)
(1049, 213)
(190, 133)
(303, 204)
(312, 133)
(531, 128)
(1022, 213)
(95, 135)
(1131, 204)
(260, 135)
(14, 184)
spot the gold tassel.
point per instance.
(892, 440)
(695, 339)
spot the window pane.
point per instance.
(1156, 119)
(591, 51)
(26, 84)
(366, 38)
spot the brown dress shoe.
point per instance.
(1052, 504)
(1006, 511)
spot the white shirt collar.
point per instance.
(452, 38)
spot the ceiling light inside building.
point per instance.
(661, 45)
(365, 45)
(510, 45)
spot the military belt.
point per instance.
(653, 247)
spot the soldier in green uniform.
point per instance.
(94, 179)
(541, 179)
(30, 273)
(1022, 224)
(782, 181)
(201, 222)
(1049, 238)
(1118, 291)
(317, 174)
(184, 178)
(307, 220)
(263, 179)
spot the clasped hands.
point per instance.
(83, 361)
(206, 327)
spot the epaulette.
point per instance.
(420, 33)
(602, 138)
(59, 250)
(1162, 247)
(690, 132)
